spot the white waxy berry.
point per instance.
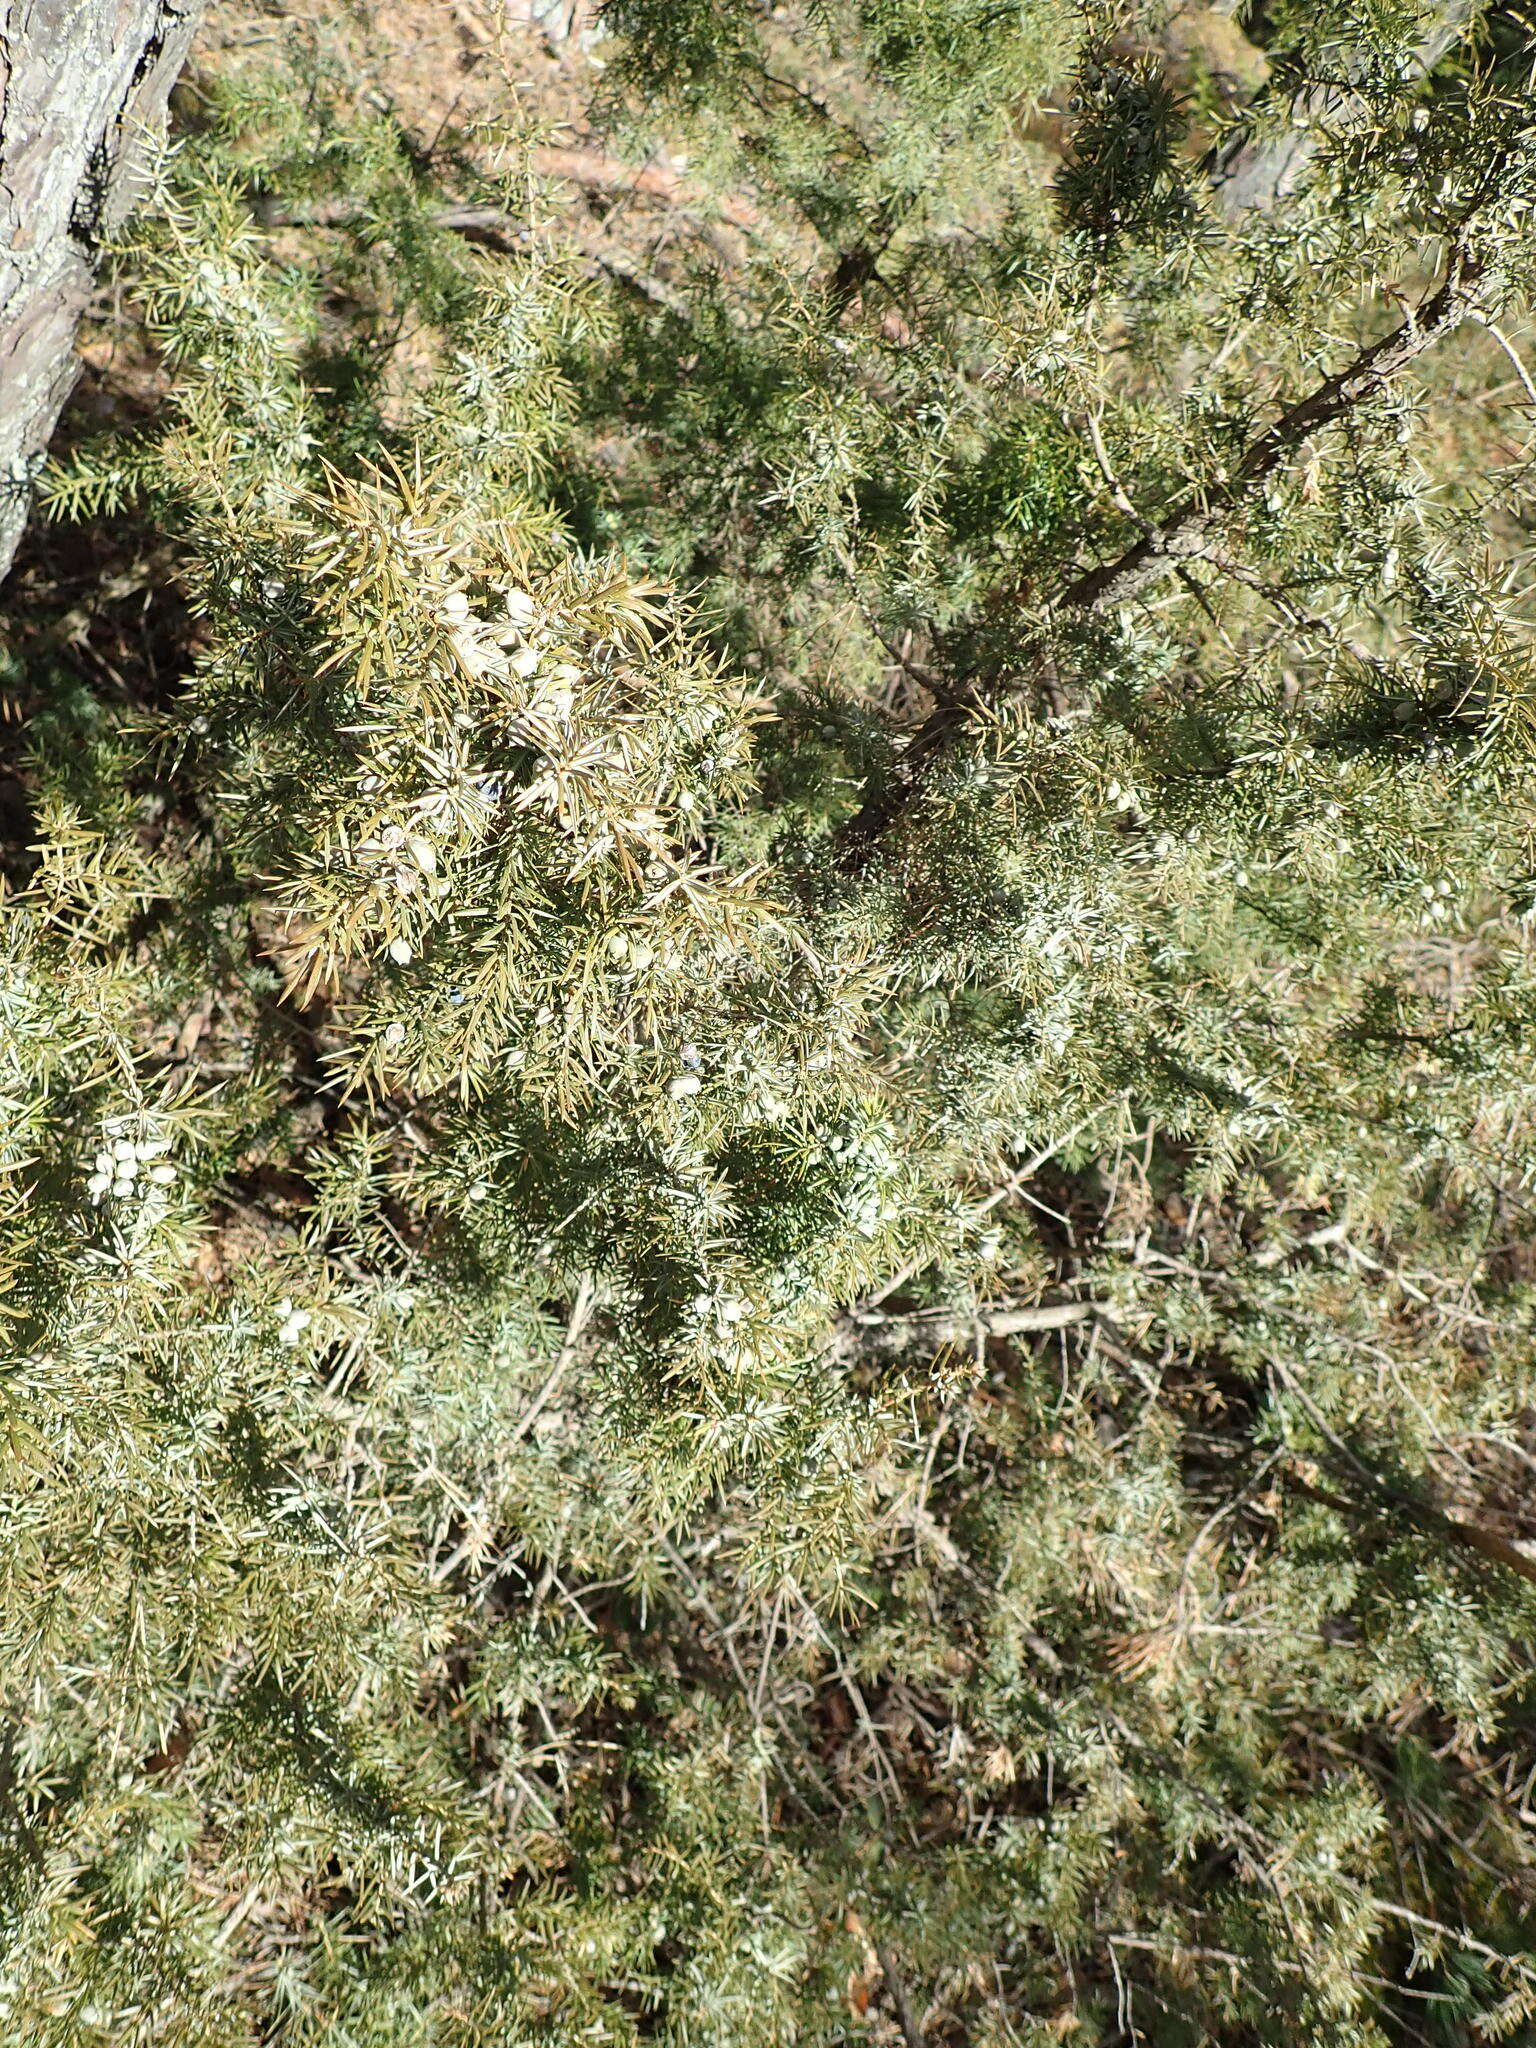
(294, 1323)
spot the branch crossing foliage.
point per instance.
(768, 1111)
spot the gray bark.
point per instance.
(81, 83)
(1255, 172)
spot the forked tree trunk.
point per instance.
(81, 81)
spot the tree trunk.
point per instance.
(80, 83)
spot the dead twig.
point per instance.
(581, 1311)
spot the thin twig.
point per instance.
(906, 2016)
(581, 1310)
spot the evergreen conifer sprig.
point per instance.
(624, 1427)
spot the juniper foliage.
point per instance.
(768, 1155)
